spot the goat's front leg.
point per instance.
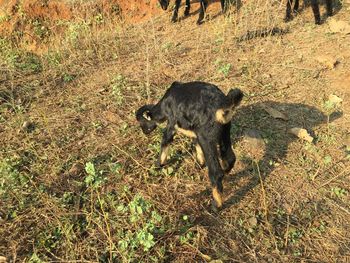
(176, 10)
(288, 10)
(188, 7)
(199, 153)
(329, 5)
(228, 157)
(168, 137)
(296, 6)
(316, 11)
(214, 169)
(224, 5)
(203, 8)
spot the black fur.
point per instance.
(315, 9)
(193, 107)
(204, 4)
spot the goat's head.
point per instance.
(164, 4)
(145, 120)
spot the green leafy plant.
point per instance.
(146, 222)
(222, 67)
(118, 84)
(93, 179)
(338, 192)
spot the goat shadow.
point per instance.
(274, 133)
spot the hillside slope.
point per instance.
(78, 177)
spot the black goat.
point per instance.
(315, 9)
(201, 111)
(204, 3)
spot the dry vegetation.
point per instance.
(77, 176)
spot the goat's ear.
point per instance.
(147, 115)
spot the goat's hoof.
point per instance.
(187, 13)
(201, 165)
(214, 207)
(174, 19)
(159, 165)
(199, 22)
(287, 19)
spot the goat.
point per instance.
(315, 9)
(202, 112)
(203, 3)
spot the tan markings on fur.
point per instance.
(164, 155)
(199, 154)
(217, 197)
(187, 133)
(224, 164)
(224, 116)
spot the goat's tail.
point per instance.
(144, 117)
(234, 98)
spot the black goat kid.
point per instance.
(204, 3)
(315, 9)
(201, 111)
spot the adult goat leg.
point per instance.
(203, 8)
(316, 11)
(188, 7)
(288, 10)
(329, 5)
(176, 11)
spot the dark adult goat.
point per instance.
(201, 111)
(315, 9)
(203, 6)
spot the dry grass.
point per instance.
(286, 201)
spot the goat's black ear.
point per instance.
(175, 83)
(235, 96)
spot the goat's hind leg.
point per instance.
(228, 157)
(168, 137)
(329, 5)
(216, 174)
(203, 8)
(316, 11)
(176, 11)
(288, 11)
(188, 7)
(296, 6)
(224, 5)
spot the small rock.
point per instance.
(252, 222)
(275, 113)
(338, 26)
(302, 134)
(335, 99)
(347, 140)
(3, 259)
(27, 126)
(327, 61)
